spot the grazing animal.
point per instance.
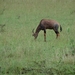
(47, 24)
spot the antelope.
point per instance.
(47, 24)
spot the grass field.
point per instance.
(21, 54)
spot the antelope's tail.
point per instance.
(60, 28)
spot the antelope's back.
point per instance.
(49, 24)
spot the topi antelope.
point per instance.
(47, 24)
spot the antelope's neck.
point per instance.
(37, 30)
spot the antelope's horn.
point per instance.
(33, 31)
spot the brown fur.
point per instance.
(47, 24)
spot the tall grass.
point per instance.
(21, 54)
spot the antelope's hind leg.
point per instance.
(57, 34)
(56, 30)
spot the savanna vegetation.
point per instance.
(20, 53)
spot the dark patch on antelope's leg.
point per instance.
(45, 35)
(57, 34)
(56, 30)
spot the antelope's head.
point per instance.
(34, 34)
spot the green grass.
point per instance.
(20, 53)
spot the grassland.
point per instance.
(21, 54)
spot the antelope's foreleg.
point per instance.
(45, 35)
